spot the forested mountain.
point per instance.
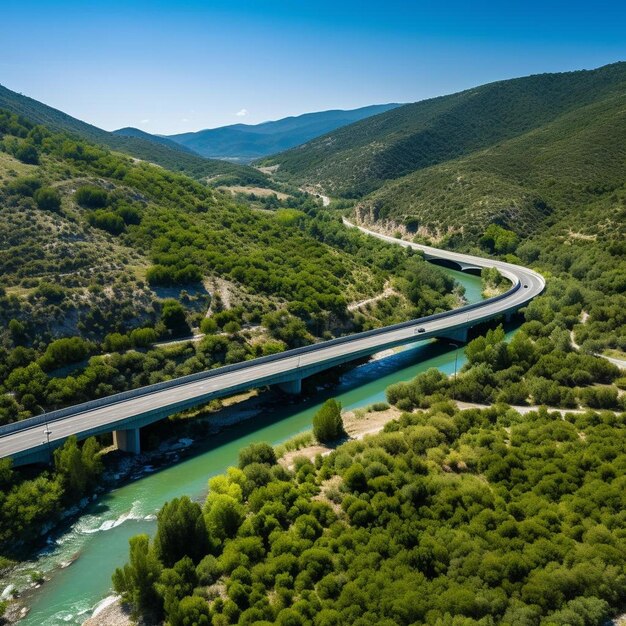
(250, 141)
(524, 184)
(144, 147)
(357, 159)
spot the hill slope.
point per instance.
(357, 159)
(247, 142)
(548, 174)
(144, 147)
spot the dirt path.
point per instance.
(388, 290)
(584, 316)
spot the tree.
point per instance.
(232, 327)
(260, 452)
(107, 220)
(136, 580)
(499, 240)
(327, 422)
(224, 515)
(143, 337)
(174, 584)
(64, 351)
(17, 329)
(192, 611)
(48, 199)
(208, 326)
(181, 531)
(173, 316)
(78, 469)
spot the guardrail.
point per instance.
(52, 416)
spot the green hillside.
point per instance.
(357, 159)
(548, 174)
(170, 156)
(104, 256)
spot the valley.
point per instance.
(488, 487)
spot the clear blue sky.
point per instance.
(170, 67)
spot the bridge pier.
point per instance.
(127, 440)
(292, 387)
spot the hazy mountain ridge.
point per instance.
(250, 141)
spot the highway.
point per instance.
(28, 442)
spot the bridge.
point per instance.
(124, 414)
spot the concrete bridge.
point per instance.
(123, 414)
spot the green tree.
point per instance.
(143, 337)
(91, 197)
(192, 611)
(136, 580)
(173, 316)
(64, 351)
(208, 326)
(259, 452)
(327, 422)
(78, 468)
(27, 153)
(181, 531)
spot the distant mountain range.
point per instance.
(163, 152)
(246, 142)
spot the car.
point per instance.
(421, 329)
(525, 286)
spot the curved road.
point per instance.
(27, 440)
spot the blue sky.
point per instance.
(169, 67)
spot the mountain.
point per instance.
(246, 142)
(357, 159)
(130, 131)
(139, 145)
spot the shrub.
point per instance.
(48, 199)
(327, 422)
(208, 326)
(107, 220)
(64, 351)
(232, 327)
(143, 337)
(257, 453)
(91, 197)
(173, 316)
(181, 531)
(27, 153)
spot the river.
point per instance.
(100, 536)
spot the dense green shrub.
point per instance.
(257, 453)
(327, 422)
(48, 199)
(91, 197)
